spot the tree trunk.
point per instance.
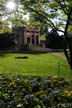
(68, 54)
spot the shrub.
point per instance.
(34, 92)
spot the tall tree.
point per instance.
(57, 14)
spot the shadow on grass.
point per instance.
(37, 52)
(21, 52)
(30, 52)
(3, 53)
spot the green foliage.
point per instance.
(16, 92)
(46, 11)
(43, 37)
(70, 29)
(49, 10)
(11, 18)
(4, 27)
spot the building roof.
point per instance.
(22, 28)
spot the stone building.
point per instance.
(26, 37)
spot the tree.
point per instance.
(51, 10)
(11, 17)
(53, 40)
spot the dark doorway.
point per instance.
(33, 39)
(37, 41)
(28, 40)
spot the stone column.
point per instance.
(25, 38)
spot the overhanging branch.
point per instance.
(44, 15)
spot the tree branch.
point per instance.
(44, 15)
(61, 19)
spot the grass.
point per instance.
(36, 64)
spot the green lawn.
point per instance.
(36, 64)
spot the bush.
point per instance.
(34, 92)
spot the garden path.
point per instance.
(61, 55)
(56, 52)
